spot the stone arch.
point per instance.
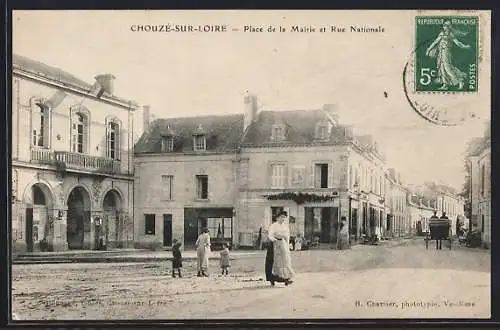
(115, 191)
(38, 199)
(79, 227)
(113, 217)
(76, 185)
(46, 188)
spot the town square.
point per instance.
(263, 179)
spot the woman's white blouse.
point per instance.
(279, 231)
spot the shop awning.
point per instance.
(301, 198)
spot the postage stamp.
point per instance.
(446, 55)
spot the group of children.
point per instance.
(224, 260)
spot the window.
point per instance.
(483, 177)
(167, 144)
(322, 131)
(40, 123)
(167, 184)
(278, 133)
(321, 176)
(202, 186)
(199, 143)
(351, 179)
(278, 175)
(113, 140)
(78, 133)
(149, 221)
(482, 223)
(220, 227)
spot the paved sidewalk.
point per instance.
(115, 255)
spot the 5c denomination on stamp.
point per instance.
(446, 53)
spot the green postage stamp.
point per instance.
(446, 54)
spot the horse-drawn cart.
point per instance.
(439, 230)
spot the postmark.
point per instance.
(446, 55)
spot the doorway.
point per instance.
(78, 229)
(326, 225)
(167, 230)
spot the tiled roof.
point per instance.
(55, 74)
(223, 133)
(300, 127)
(47, 71)
(477, 145)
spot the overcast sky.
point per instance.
(189, 74)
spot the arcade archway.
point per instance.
(112, 229)
(38, 224)
(78, 228)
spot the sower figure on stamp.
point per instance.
(447, 73)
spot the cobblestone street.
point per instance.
(389, 280)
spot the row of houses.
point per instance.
(81, 180)
(479, 165)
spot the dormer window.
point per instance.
(278, 132)
(199, 139)
(322, 131)
(167, 144)
(200, 143)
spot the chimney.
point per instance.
(106, 81)
(332, 112)
(251, 107)
(145, 118)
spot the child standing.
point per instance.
(224, 259)
(177, 258)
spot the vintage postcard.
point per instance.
(173, 165)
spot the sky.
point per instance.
(198, 73)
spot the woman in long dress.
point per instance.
(447, 73)
(202, 251)
(279, 235)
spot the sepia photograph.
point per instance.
(250, 164)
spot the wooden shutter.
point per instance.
(269, 174)
(286, 176)
(311, 175)
(330, 176)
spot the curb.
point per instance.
(26, 261)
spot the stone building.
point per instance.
(397, 203)
(72, 172)
(311, 165)
(480, 175)
(186, 179)
(233, 173)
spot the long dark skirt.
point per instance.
(269, 264)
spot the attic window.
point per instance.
(199, 139)
(199, 143)
(278, 132)
(167, 144)
(322, 131)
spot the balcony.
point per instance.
(73, 161)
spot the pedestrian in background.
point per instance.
(177, 258)
(225, 263)
(202, 251)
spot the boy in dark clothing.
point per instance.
(177, 258)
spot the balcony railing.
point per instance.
(70, 160)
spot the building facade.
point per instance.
(247, 168)
(397, 205)
(480, 185)
(72, 169)
(186, 180)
